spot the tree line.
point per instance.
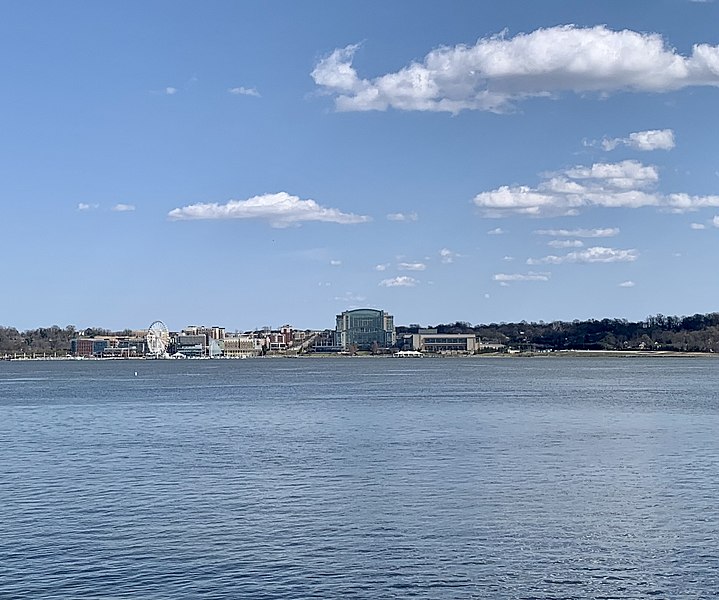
(695, 333)
(54, 341)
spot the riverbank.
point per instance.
(485, 355)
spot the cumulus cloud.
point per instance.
(402, 216)
(715, 221)
(697, 226)
(84, 206)
(335, 263)
(626, 184)
(498, 71)
(625, 175)
(580, 233)
(596, 254)
(244, 91)
(496, 231)
(381, 267)
(280, 210)
(653, 139)
(417, 266)
(531, 276)
(626, 284)
(401, 281)
(123, 207)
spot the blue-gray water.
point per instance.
(360, 478)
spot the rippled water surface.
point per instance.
(364, 478)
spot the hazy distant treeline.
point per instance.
(697, 333)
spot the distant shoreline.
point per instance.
(557, 354)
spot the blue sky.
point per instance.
(259, 163)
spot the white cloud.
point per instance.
(405, 266)
(170, 91)
(244, 91)
(531, 276)
(580, 233)
(715, 221)
(697, 226)
(496, 231)
(350, 297)
(565, 244)
(498, 71)
(627, 284)
(83, 206)
(680, 203)
(401, 281)
(402, 216)
(335, 72)
(596, 254)
(653, 139)
(123, 207)
(625, 175)
(335, 263)
(626, 184)
(280, 209)
(447, 256)
(382, 267)
(508, 258)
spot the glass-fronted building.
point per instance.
(363, 328)
(87, 347)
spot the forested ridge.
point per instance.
(696, 333)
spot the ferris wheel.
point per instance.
(158, 338)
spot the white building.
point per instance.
(444, 343)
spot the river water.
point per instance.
(360, 478)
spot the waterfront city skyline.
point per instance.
(264, 163)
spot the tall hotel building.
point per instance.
(363, 328)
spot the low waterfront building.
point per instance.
(491, 347)
(191, 345)
(242, 346)
(125, 347)
(441, 343)
(88, 347)
(117, 352)
(324, 341)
